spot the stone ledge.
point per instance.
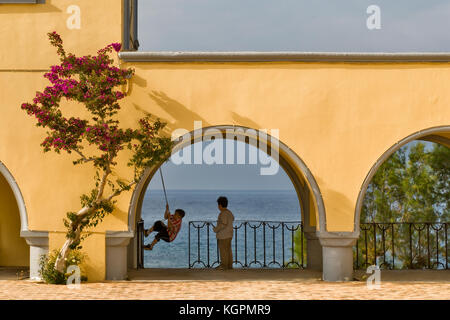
(250, 56)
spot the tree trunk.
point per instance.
(65, 250)
(81, 215)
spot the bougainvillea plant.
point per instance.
(94, 83)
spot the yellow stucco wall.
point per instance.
(339, 118)
(350, 114)
(24, 27)
(14, 251)
(25, 55)
(93, 247)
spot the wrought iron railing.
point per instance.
(402, 245)
(263, 244)
(269, 244)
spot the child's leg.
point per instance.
(150, 246)
(157, 226)
(148, 231)
(155, 241)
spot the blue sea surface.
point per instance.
(199, 205)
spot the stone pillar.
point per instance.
(337, 257)
(313, 252)
(117, 254)
(38, 242)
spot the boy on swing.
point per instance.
(167, 233)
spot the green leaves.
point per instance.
(412, 185)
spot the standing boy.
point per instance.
(224, 234)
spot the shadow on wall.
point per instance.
(184, 118)
(182, 114)
(245, 122)
(177, 111)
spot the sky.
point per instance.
(287, 25)
(293, 25)
(220, 177)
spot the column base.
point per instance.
(313, 252)
(38, 242)
(337, 257)
(117, 255)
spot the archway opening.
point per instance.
(405, 211)
(252, 199)
(299, 204)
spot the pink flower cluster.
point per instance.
(108, 138)
(89, 80)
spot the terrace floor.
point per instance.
(169, 284)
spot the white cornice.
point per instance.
(244, 56)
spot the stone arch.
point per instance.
(14, 222)
(337, 247)
(307, 189)
(440, 134)
(18, 195)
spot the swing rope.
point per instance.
(146, 247)
(164, 187)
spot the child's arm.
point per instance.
(167, 213)
(167, 217)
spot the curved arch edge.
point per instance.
(195, 136)
(18, 195)
(430, 134)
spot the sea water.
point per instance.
(200, 205)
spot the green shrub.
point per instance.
(50, 275)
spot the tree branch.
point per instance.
(83, 157)
(119, 191)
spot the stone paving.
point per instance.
(215, 285)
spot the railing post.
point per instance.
(410, 247)
(428, 246)
(357, 255)
(245, 243)
(264, 243)
(375, 244)
(273, 245)
(301, 243)
(235, 260)
(282, 243)
(198, 244)
(393, 245)
(207, 242)
(292, 245)
(437, 246)
(254, 244)
(366, 246)
(189, 244)
(446, 248)
(140, 244)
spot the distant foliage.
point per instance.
(413, 185)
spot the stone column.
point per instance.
(117, 255)
(313, 251)
(38, 242)
(337, 250)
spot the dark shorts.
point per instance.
(161, 228)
